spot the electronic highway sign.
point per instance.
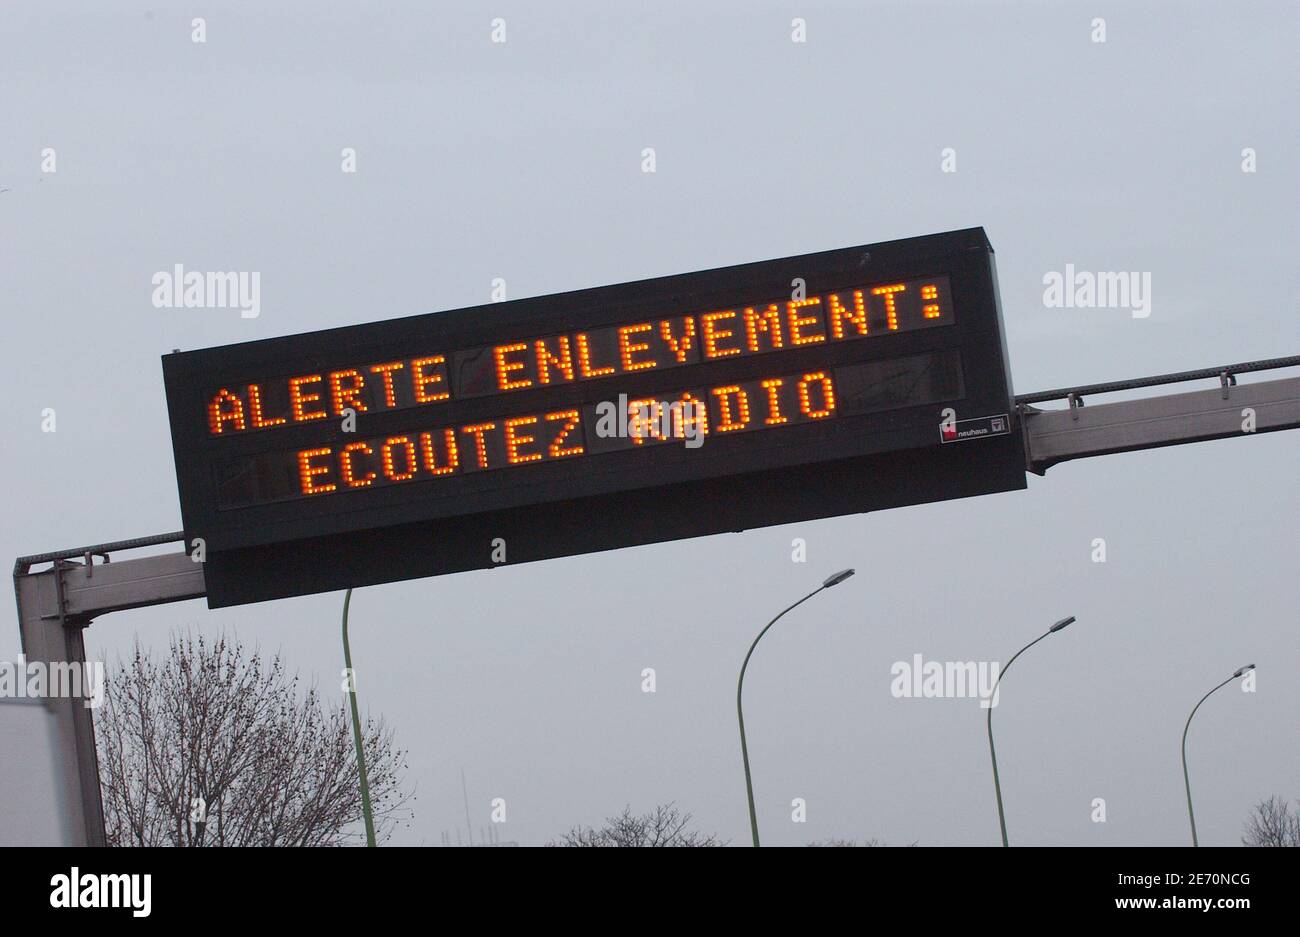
(702, 403)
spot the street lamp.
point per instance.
(833, 580)
(997, 784)
(1186, 782)
(366, 810)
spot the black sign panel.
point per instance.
(676, 407)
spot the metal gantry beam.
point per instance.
(1225, 373)
(1080, 432)
(54, 607)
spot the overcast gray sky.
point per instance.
(522, 160)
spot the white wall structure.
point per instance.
(32, 812)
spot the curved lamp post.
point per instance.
(356, 727)
(997, 784)
(1186, 782)
(834, 580)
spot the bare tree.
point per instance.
(840, 841)
(666, 825)
(213, 746)
(1272, 823)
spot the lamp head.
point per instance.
(837, 578)
(1243, 670)
(1060, 624)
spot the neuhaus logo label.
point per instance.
(76, 890)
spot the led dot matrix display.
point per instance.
(685, 405)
